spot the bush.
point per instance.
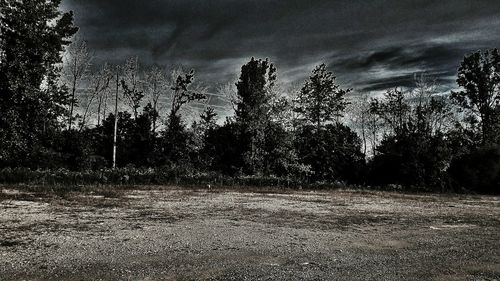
(412, 161)
(333, 153)
(478, 171)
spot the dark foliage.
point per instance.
(177, 145)
(321, 100)
(411, 160)
(223, 149)
(478, 171)
(479, 76)
(135, 139)
(32, 37)
(333, 153)
(414, 151)
(253, 111)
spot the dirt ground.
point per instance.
(170, 233)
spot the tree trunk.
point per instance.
(363, 134)
(73, 91)
(99, 111)
(155, 105)
(116, 120)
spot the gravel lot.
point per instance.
(169, 233)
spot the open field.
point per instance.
(185, 234)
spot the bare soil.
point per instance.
(169, 233)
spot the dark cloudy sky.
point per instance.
(370, 45)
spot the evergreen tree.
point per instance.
(331, 150)
(321, 100)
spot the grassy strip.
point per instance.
(62, 181)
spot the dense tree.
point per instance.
(253, 91)
(332, 153)
(478, 170)
(331, 149)
(479, 76)
(414, 150)
(134, 139)
(253, 110)
(33, 35)
(476, 140)
(277, 130)
(124, 131)
(394, 111)
(280, 157)
(223, 149)
(411, 160)
(201, 129)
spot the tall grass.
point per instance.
(136, 176)
(65, 180)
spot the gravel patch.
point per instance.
(178, 234)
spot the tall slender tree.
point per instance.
(156, 85)
(132, 85)
(363, 121)
(175, 142)
(77, 66)
(253, 109)
(99, 85)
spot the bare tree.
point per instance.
(283, 103)
(78, 63)
(227, 93)
(183, 94)
(365, 122)
(99, 84)
(106, 74)
(424, 97)
(156, 84)
(358, 111)
(131, 84)
(192, 109)
(374, 129)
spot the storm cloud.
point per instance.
(370, 45)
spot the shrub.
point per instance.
(478, 171)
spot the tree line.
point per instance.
(320, 132)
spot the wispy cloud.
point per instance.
(370, 45)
